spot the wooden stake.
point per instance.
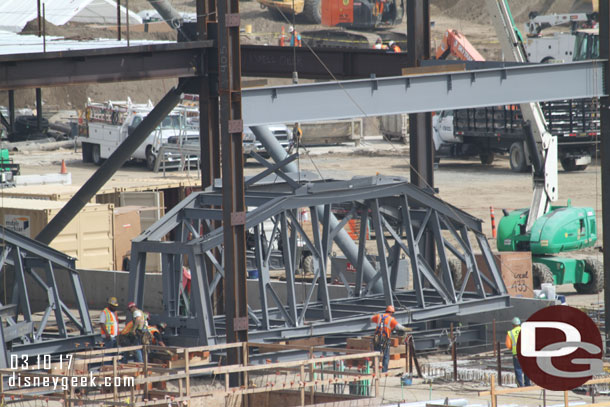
(244, 355)
(494, 400)
(302, 386)
(565, 398)
(494, 337)
(311, 377)
(454, 355)
(187, 368)
(543, 397)
(127, 25)
(115, 391)
(39, 20)
(145, 355)
(118, 18)
(44, 29)
(408, 353)
(376, 376)
(499, 363)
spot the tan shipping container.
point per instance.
(88, 237)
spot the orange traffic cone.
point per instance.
(63, 170)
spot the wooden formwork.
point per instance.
(496, 391)
(173, 376)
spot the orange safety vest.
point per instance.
(383, 327)
(110, 322)
(153, 329)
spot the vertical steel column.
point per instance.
(604, 53)
(209, 126)
(11, 110)
(233, 202)
(118, 19)
(421, 154)
(38, 109)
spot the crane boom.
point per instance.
(543, 144)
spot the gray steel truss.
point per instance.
(400, 214)
(422, 93)
(25, 263)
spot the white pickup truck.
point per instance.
(108, 124)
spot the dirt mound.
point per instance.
(476, 10)
(31, 28)
(88, 32)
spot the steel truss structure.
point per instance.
(401, 215)
(28, 263)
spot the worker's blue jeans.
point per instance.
(386, 357)
(519, 376)
(109, 343)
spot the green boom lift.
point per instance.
(543, 229)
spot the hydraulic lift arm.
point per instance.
(541, 145)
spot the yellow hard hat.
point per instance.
(113, 301)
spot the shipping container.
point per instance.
(88, 237)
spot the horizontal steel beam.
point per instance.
(323, 63)
(102, 65)
(52, 346)
(183, 59)
(422, 93)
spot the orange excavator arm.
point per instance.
(456, 44)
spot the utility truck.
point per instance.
(485, 132)
(107, 124)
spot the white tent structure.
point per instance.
(15, 14)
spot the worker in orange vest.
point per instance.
(394, 47)
(109, 323)
(156, 332)
(386, 323)
(295, 37)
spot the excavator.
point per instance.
(361, 15)
(458, 45)
(545, 229)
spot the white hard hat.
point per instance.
(516, 321)
(391, 43)
(291, 29)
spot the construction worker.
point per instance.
(380, 45)
(295, 37)
(511, 343)
(156, 333)
(138, 327)
(109, 323)
(386, 323)
(394, 47)
(297, 134)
